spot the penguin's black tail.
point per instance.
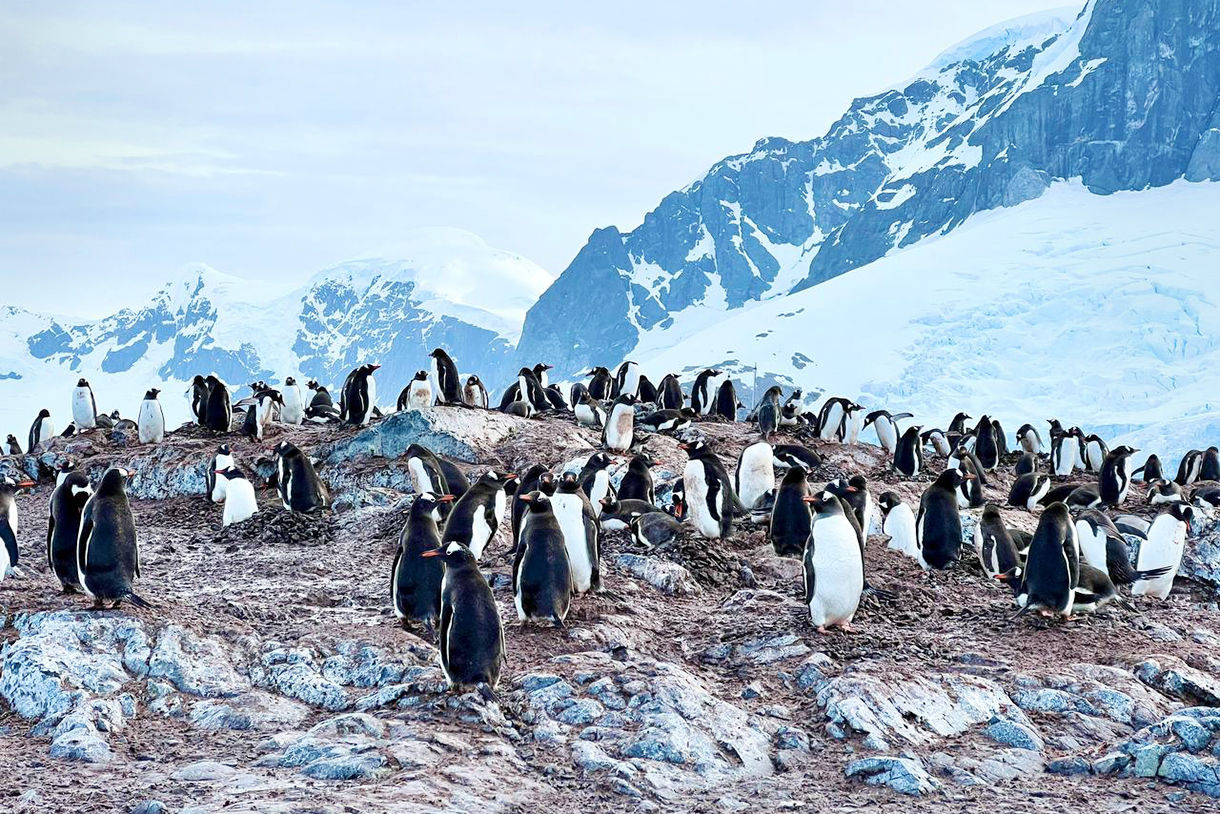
(1150, 574)
(488, 693)
(138, 600)
(1020, 613)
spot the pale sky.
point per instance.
(270, 140)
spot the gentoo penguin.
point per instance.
(1095, 452)
(755, 475)
(1094, 590)
(669, 393)
(542, 573)
(791, 522)
(107, 552)
(1163, 549)
(886, 427)
(222, 460)
(1150, 470)
(647, 392)
(1029, 439)
(106, 422)
(63, 529)
(898, 523)
(1086, 496)
(1056, 427)
(417, 395)
(1164, 491)
(702, 396)
(151, 421)
(477, 515)
(540, 374)
(415, 581)
(66, 467)
(854, 491)
(84, 406)
(1115, 478)
(359, 396)
(1102, 546)
(616, 514)
(767, 413)
(445, 374)
(251, 427)
(1028, 490)
(637, 480)
(957, 429)
(425, 470)
(792, 410)
(240, 502)
(939, 441)
(200, 391)
(995, 549)
(834, 565)
(938, 524)
(576, 392)
(710, 497)
(854, 422)
(1208, 493)
(908, 453)
(42, 430)
(9, 553)
(667, 420)
(526, 392)
(301, 490)
(963, 458)
(292, 410)
(1189, 468)
(1026, 464)
(726, 401)
(619, 431)
(219, 410)
(321, 407)
(833, 419)
(1210, 468)
(589, 411)
(627, 379)
(1065, 453)
(602, 384)
(554, 395)
(475, 394)
(654, 529)
(788, 455)
(1060, 493)
(1001, 440)
(986, 448)
(595, 478)
(581, 535)
(12, 447)
(677, 500)
(1132, 525)
(470, 636)
(528, 482)
(455, 479)
(1052, 566)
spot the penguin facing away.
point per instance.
(833, 565)
(63, 529)
(219, 410)
(530, 481)
(938, 523)
(768, 412)
(240, 501)
(107, 550)
(300, 488)
(542, 573)
(470, 636)
(908, 453)
(601, 385)
(359, 396)
(42, 430)
(1052, 567)
(669, 393)
(1150, 470)
(199, 392)
(1209, 468)
(637, 480)
(445, 374)
(791, 521)
(12, 447)
(415, 580)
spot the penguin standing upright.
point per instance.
(647, 393)
(1026, 464)
(84, 406)
(886, 427)
(417, 395)
(427, 475)
(415, 580)
(755, 476)
(791, 522)
(445, 374)
(223, 459)
(240, 501)
(710, 497)
(1052, 567)
(726, 401)
(1065, 454)
(300, 488)
(293, 409)
(627, 379)
(1095, 452)
(470, 636)
(595, 478)
(475, 394)
(618, 434)
(12, 447)
(359, 396)
(832, 419)
(63, 529)
(1029, 439)
(768, 412)
(1001, 440)
(536, 478)
(637, 480)
(219, 406)
(1189, 468)
(477, 515)
(939, 441)
(898, 523)
(986, 447)
(525, 396)
(200, 390)
(1163, 550)
(1150, 470)
(321, 409)
(542, 572)
(938, 525)
(581, 533)
(107, 551)
(9, 553)
(540, 373)
(957, 429)
(1115, 478)
(151, 420)
(993, 544)
(589, 411)
(908, 454)
(602, 384)
(43, 429)
(833, 565)
(854, 492)
(1209, 469)
(669, 393)
(702, 396)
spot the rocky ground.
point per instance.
(271, 675)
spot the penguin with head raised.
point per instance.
(1209, 468)
(595, 478)
(1026, 464)
(939, 441)
(84, 406)
(1095, 452)
(886, 427)
(832, 419)
(417, 395)
(1114, 480)
(42, 430)
(542, 572)
(710, 497)
(1052, 567)
(601, 385)
(198, 395)
(63, 529)
(240, 501)
(1149, 471)
(1163, 550)
(898, 523)
(219, 409)
(455, 479)
(996, 551)
(9, 552)
(540, 373)
(66, 467)
(470, 635)
(833, 565)
(669, 393)
(767, 413)
(107, 551)
(223, 459)
(1029, 490)
(755, 474)
(627, 379)
(957, 429)
(908, 453)
(415, 580)
(791, 522)
(11, 446)
(1001, 440)
(703, 394)
(477, 515)
(151, 420)
(251, 427)
(938, 524)
(475, 394)
(293, 409)
(647, 393)
(445, 375)
(359, 396)
(1029, 439)
(637, 480)
(581, 533)
(536, 478)
(726, 401)
(986, 447)
(300, 488)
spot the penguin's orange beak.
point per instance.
(527, 498)
(683, 446)
(510, 476)
(809, 499)
(1002, 577)
(851, 489)
(26, 484)
(605, 501)
(446, 499)
(434, 552)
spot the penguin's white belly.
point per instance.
(601, 488)
(151, 423)
(371, 385)
(900, 526)
(82, 409)
(1092, 546)
(501, 506)
(631, 383)
(887, 436)
(696, 499)
(240, 503)
(585, 415)
(1164, 546)
(619, 430)
(757, 475)
(570, 513)
(419, 476)
(480, 534)
(293, 411)
(853, 427)
(830, 430)
(838, 573)
(419, 396)
(12, 518)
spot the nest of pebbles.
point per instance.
(274, 526)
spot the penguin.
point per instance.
(293, 409)
(1056, 428)
(886, 427)
(755, 474)
(122, 425)
(542, 572)
(427, 475)
(1102, 546)
(654, 529)
(445, 374)
(1086, 496)
(1095, 452)
(455, 479)
(602, 384)
(13, 448)
(589, 411)
(554, 397)
(66, 467)
(986, 448)
(854, 423)
(832, 419)
(199, 392)
(767, 413)
(957, 429)
(669, 393)
(1029, 439)
(898, 523)
(321, 409)
(970, 493)
(791, 521)
(477, 515)
(854, 492)
(1164, 491)
(532, 480)
(1059, 494)
(417, 395)
(702, 397)
(1163, 549)
(151, 420)
(222, 460)
(1065, 454)
(1189, 467)
(627, 379)
(710, 496)
(938, 524)
(789, 455)
(9, 553)
(616, 514)
(240, 502)
(677, 500)
(668, 420)
(1052, 567)
(619, 430)
(1131, 525)
(581, 536)
(908, 453)
(415, 581)
(1208, 493)
(540, 374)
(1209, 469)
(219, 406)
(525, 391)
(595, 478)
(1115, 478)
(1029, 490)
(996, 551)
(251, 427)
(647, 392)
(1150, 470)
(964, 459)
(107, 550)
(939, 441)
(518, 408)
(726, 401)
(833, 565)
(793, 409)
(300, 488)
(1026, 464)
(470, 636)
(84, 406)
(637, 480)
(42, 430)
(1094, 590)
(63, 529)
(359, 396)
(475, 394)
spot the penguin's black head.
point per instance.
(223, 449)
(471, 381)
(10, 486)
(600, 460)
(428, 501)
(151, 394)
(889, 501)
(44, 413)
(290, 382)
(538, 501)
(198, 380)
(437, 353)
(645, 459)
(1012, 578)
(546, 483)
(454, 554)
(231, 473)
(66, 465)
(368, 369)
(1182, 511)
(569, 483)
(78, 487)
(11, 438)
(498, 479)
(952, 478)
(823, 501)
(696, 449)
(418, 451)
(284, 448)
(525, 371)
(312, 384)
(858, 483)
(1123, 450)
(421, 375)
(991, 511)
(609, 505)
(115, 480)
(82, 382)
(542, 366)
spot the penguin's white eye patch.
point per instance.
(81, 490)
(427, 496)
(454, 548)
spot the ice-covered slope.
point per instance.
(1099, 310)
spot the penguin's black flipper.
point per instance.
(10, 542)
(50, 534)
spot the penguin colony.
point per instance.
(1076, 561)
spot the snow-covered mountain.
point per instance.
(449, 289)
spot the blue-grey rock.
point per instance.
(451, 432)
(1146, 758)
(195, 666)
(1047, 700)
(1201, 774)
(1014, 734)
(667, 577)
(150, 807)
(83, 744)
(903, 775)
(1194, 736)
(1069, 766)
(1111, 763)
(792, 737)
(353, 766)
(1180, 681)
